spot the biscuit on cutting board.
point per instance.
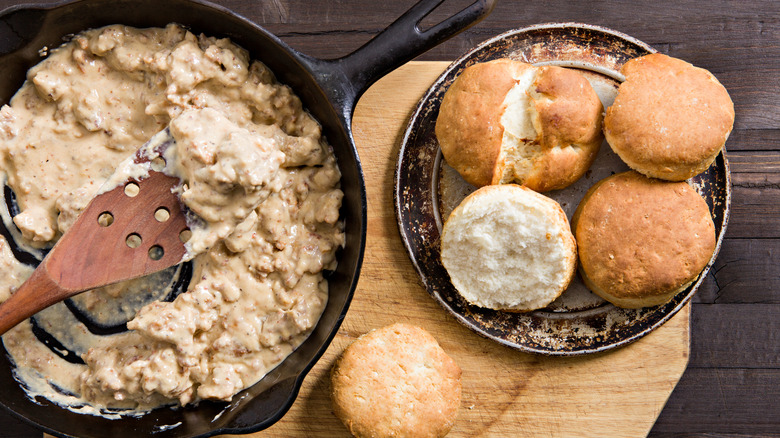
(396, 381)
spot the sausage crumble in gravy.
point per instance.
(255, 168)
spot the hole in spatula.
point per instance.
(185, 235)
(162, 214)
(132, 190)
(105, 219)
(156, 252)
(158, 164)
(133, 240)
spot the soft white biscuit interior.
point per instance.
(519, 145)
(504, 252)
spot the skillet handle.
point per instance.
(399, 43)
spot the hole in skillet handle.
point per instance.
(441, 12)
(397, 44)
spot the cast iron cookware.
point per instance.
(426, 190)
(329, 89)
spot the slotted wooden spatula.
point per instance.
(133, 230)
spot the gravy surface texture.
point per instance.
(254, 168)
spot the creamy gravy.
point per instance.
(226, 172)
(254, 167)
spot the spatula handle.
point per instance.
(37, 293)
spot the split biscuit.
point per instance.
(509, 248)
(506, 121)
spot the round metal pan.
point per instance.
(427, 189)
(329, 89)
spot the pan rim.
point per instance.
(422, 107)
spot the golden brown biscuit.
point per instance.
(642, 240)
(507, 247)
(507, 121)
(670, 119)
(396, 382)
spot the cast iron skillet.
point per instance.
(329, 89)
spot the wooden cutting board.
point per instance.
(505, 392)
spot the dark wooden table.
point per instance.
(732, 384)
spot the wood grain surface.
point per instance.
(505, 392)
(731, 385)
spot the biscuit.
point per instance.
(509, 248)
(641, 241)
(396, 381)
(507, 121)
(669, 119)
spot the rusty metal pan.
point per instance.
(427, 189)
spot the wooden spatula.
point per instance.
(133, 230)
